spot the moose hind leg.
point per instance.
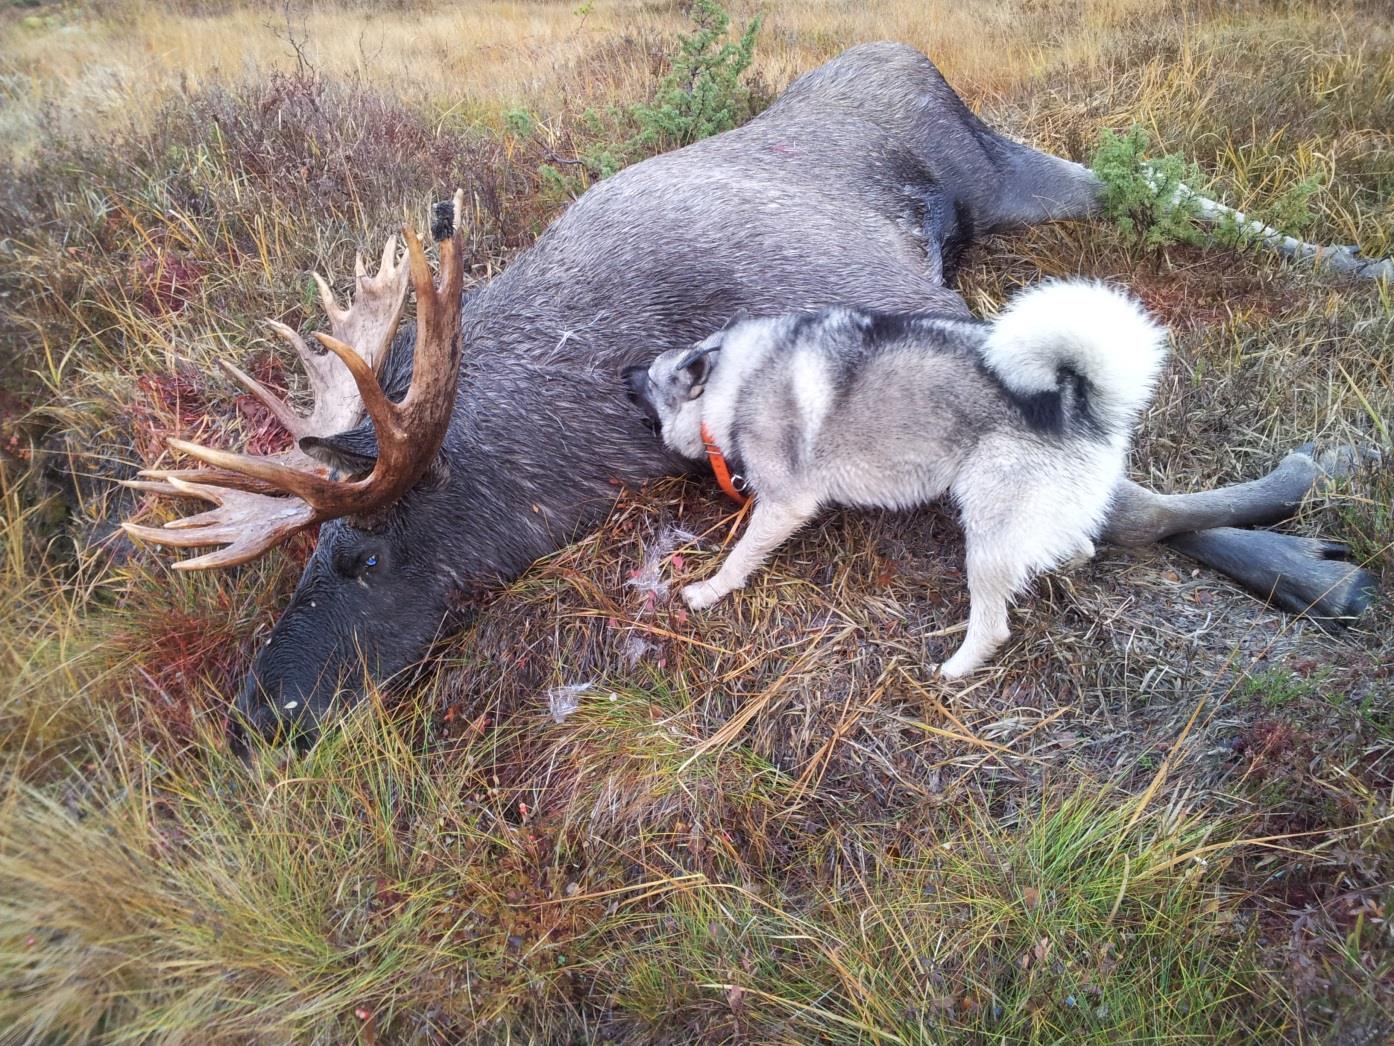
(1139, 516)
(1038, 187)
(1299, 575)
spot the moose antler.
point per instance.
(248, 518)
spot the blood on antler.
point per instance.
(263, 499)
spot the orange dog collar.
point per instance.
(719, 466)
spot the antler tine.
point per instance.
(295, 341)
(247, 519)
(293, 422)
(301, 482)
(425, 411)
(371, 318)
(335, 407)
(247, 524)
(234, 480)
(297, 426)
(337, 316)
(367, 326)
(150, 486)
(374, 400)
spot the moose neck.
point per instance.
(537, 452)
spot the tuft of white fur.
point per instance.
(1099, 331)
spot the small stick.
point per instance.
(1339, 258)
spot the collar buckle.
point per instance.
(732, 485)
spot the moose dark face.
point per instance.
(369, 603)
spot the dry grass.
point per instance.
(477, 57)
(1165, 814)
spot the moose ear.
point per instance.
(697, 364)
(350, 453)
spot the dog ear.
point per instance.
(739, 316)
(697, 364)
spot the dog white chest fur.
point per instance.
(1024, 421)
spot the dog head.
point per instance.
(669, 391)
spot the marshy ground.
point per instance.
(1164, 814)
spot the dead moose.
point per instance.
(862, 185)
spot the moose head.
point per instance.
(348, 614)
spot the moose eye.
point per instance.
(356, 566)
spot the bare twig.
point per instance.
(1341, 258)
(296, 36)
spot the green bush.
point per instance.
(1140, 195)
(704, 92)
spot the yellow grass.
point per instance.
(489, 55)
(1162, 815)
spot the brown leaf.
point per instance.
(735, 998)
(368, 1033)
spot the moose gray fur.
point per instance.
(861, 185)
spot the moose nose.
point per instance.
(255, 711)
(273, 713)
(251, 720)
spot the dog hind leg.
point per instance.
(1016, 523)
(994, 574)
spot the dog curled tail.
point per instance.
(1077, 356)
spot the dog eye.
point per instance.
(370, 562)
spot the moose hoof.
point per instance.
(1337, 462)
(1306, 576)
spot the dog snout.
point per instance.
(636, 380)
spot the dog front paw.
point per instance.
(959, 666)
(1082, 555)
(701, 595)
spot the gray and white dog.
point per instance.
(1025, 420)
